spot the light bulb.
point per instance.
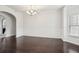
(31, 12)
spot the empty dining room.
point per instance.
(39, 28)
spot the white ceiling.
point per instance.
(40, 7)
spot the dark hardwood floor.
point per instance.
(28, 44)
(71, 48)
(8, 45)
(38, 44)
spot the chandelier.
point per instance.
(32, 10)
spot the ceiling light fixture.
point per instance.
(32, 10)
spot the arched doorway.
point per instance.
(7, 32)
(7, 24)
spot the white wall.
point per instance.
(68, 11)
(19, 19)
(47, 23)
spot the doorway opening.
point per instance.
(7, 24)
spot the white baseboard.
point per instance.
(71, 42)
(19, 35)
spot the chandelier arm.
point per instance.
(32, 11)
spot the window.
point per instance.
(74, 25)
